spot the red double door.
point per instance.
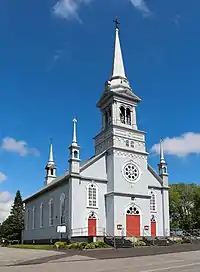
(133, 225)
(92, 227)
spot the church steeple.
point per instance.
(118, 102)
(74, 161)
(50, 167)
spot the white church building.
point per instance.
(115, 192)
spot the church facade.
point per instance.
(114, 193)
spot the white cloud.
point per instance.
(6, 201)
(142, 7)
(181, 146)
(2, 177)
(21, 147)
(68, 9)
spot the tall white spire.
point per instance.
(118, 64)
(74, 139)
(162, 159)
(51, 152)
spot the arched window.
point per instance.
(128, 116)
(92, 195)
(127, 142)
(51, 212)
(41, 215)
(27, 219)
(153, 202)
(106, 119)
(122, 114)
(52, 172)
(132, 144)
(33, 217)
(76, 154)
(109, 117)
(62, 209)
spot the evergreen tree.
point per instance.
(12, 227)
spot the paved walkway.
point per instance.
(54, 261)
(9, 256)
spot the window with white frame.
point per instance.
(153, 201)
(27, 219)
(33, 217)
(51, 212)
(92, 195)
(41, 215)
(62, 209)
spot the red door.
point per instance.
(91, 227)
(153, 229)
(133, 225)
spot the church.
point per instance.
(114, 193)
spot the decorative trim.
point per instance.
(157, 188)
(94, 179)
(121, 152)
(128, 195)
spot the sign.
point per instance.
(61, 229)
(119, 227)
(146, 227)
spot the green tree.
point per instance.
(182, 205)
(12, 227)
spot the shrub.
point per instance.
(60, 244)
(100, 244)
(139, 243)
(90, 246)
(81, 245)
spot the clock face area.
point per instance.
(131, 172)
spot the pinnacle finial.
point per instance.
(117, 23)
(74, 140)
(162, 159)
(51, 151)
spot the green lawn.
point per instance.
(32, 246)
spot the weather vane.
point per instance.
(117, 23)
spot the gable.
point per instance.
(95, 168)
(155, 179)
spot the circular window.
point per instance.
(131, 172)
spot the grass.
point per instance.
(33, 246)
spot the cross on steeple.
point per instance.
(117, 23)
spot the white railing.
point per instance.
(84, 231)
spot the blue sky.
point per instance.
(55, 58)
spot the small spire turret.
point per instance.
(162, 166)
(50, 167)
(74, 161)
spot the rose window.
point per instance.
(131, 172)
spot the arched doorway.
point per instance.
(153, 226)
(133, 221)
(92, 224)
